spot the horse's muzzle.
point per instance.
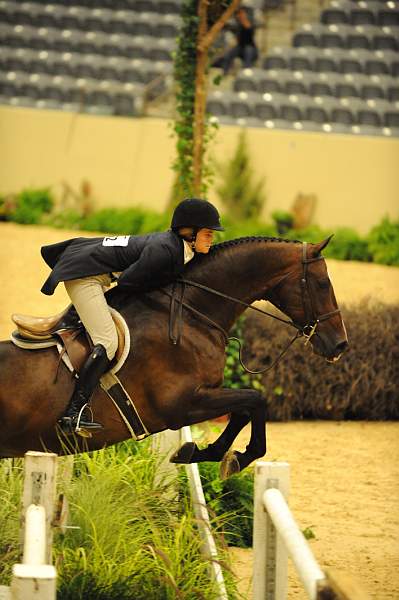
(331, 351)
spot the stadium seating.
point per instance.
(340, 75)
(117, 45)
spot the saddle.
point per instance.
(65, 329)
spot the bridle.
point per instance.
(307, 331)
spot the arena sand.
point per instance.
(344, 475)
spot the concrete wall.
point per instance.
(127, 162)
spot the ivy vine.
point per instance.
(185, 62)
(185, 65)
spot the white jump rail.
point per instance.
(277, 536)
(166, 443)
(35, 577)
(204, 524)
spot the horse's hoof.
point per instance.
(184, 454)
(229, 465)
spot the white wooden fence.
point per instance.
(277, 537)
(35, 577)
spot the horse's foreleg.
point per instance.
(244, 406)
(235, 461)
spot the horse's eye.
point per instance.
(324, 283)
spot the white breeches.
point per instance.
(87, 296)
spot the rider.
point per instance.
(87, 266)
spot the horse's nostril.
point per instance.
(342, 346)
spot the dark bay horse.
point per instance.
(180, 384)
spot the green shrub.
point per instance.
(31, 205)
(66, 219)
(243, 197)
(232, 498)
(383, 242)
(133, 221)
(347, 245)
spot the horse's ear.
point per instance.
(321, 245)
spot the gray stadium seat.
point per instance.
(275, 61)
(307, 36)
(274, 80)
(168, 7)
(386, 39)
(388, 14)
(372, 90)
(161, 49)
(334, 15)
(166, 26)
(321, 88)
(248, 80)
(334, 36)
(391, 119)
(324, 64)
(346, 89)
(295, 86)
(218, 103)
(363, 13)
(393, 92)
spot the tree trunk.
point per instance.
(204, 41)
(200, 98)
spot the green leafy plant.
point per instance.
(347, 245)
(243, 197)
(232, 500)
(184, 73)
(309, 533)
(284, 220)
(234, 375)
(31, 204)
(383, 242)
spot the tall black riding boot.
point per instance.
(95, 366)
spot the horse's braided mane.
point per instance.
(251, 238)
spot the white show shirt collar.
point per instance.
(188, 252)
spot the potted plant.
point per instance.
(284, 221)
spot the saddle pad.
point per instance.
(123, 337)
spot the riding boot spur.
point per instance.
(76, 417)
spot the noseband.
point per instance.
(311, 320)
(308, 330)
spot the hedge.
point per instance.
(364, 384)
(32, 206)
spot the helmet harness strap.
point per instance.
(194, 237)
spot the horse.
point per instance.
(180, 383)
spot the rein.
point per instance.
(307, 330)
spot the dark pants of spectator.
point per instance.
(248, 55)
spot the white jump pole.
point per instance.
(35, 536)
(270, 576)
(294, 540)
(204, 525)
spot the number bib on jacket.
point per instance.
(118, 240)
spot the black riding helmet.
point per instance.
(196, 213)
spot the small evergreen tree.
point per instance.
(243, 197)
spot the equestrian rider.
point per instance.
(87, 266)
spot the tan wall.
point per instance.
(127, 161)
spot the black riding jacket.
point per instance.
(146, 262)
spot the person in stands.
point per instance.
(87, 266)
(245, 48)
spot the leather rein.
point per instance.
(308, 330)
